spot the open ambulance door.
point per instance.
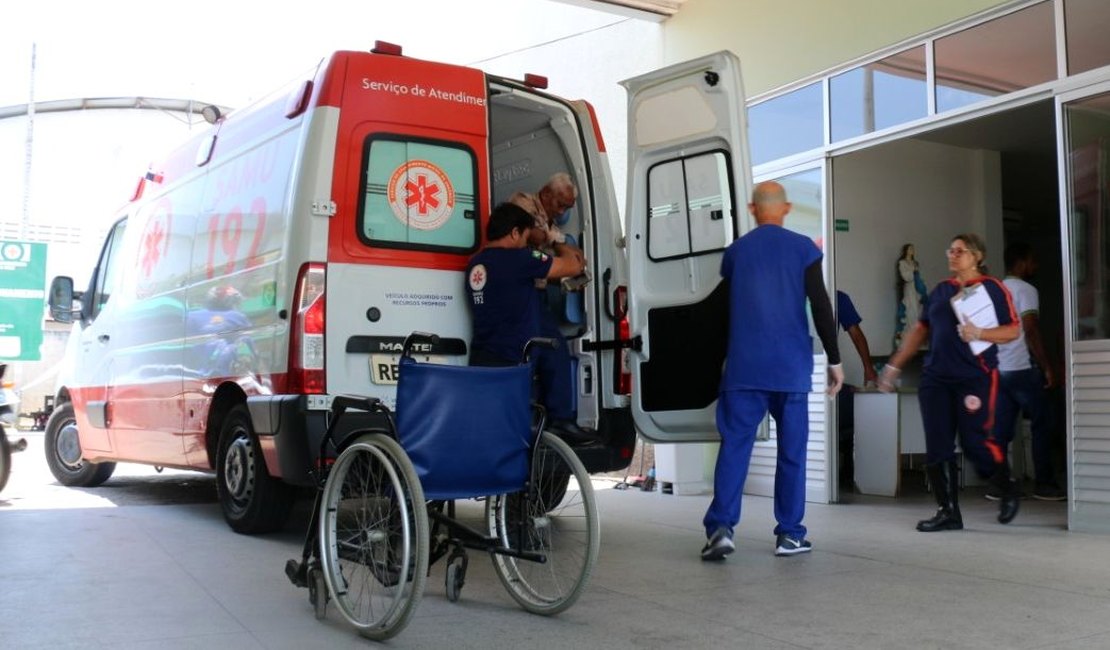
(689, 179)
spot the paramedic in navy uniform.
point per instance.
(504, 304)
(958, 387)
(769, 273)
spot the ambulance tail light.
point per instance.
(306, 350)
(623, 370)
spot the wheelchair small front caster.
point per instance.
(456, 574)
(318, 593)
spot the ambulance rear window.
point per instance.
(418, 194)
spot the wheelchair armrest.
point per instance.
(355, 402)
(544, 341)
(418, 337)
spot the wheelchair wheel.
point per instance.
(567, 533)
(374, 536)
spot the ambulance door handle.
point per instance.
(103, 338)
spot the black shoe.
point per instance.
(718, 546)
(572, 433)
(1049, 493)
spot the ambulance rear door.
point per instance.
(689, 179)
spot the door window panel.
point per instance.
(879, 95)
(108, 275)
(1088, 129)
(1086, 24)
(1004, 55)
(691, 207)
(418, 195)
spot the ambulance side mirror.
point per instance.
(61, 299)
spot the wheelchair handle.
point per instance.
(418, 337)
(544, 341)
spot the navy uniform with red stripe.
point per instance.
(958, 389)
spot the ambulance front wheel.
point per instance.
(63, 452)
(252, 501)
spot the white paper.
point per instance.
(974, 304)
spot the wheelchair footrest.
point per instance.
(297, 573)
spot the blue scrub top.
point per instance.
(769, 346)
(504, 301)
(846, 314)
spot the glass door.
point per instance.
(1083, 119)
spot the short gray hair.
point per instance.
(560, 183)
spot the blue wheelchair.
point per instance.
(385, 508)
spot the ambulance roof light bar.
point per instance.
(382, 47)
(536, 81)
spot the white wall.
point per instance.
(590, 65)
(781, 41)
(908, 191)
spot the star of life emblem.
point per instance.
(478, 277)
(421, 195)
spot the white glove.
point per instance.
(969, 332)
(836, 379)
(887, 379)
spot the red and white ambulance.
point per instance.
(280, 258)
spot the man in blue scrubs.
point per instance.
(770, 273)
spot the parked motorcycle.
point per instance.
(9, 413)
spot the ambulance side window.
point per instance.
(691, 206)
(418, 194)
(107, 271)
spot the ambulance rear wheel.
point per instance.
(63, 452)
(252, 501)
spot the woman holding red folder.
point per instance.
(959, 380)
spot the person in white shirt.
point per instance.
(1025, 373)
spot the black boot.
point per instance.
(945, 479)
(1010, 499)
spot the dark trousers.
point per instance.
(552, 367)
(965, 407)
(1023, 390)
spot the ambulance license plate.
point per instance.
(384, 367)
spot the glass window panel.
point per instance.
(419, 195)
(668, 232)
(1086, 25)
(709, 203)
(786, 125)
(879, 95)
(1009, 53)
(690, 203)
(1088, 128)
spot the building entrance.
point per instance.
(995, 175)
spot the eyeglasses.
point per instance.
(957, 252)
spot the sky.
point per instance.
(239, 50)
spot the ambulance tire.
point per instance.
(63, 452)
(252, 501)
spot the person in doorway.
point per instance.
(849, 320)
(770, 272)
(959, 380)
(557, 195)
(504, 304)
(1025, 374)
(554, 365)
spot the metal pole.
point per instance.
(26, 218)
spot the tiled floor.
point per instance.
(146, 563)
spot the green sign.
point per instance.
(842, 225)
(22, 278)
